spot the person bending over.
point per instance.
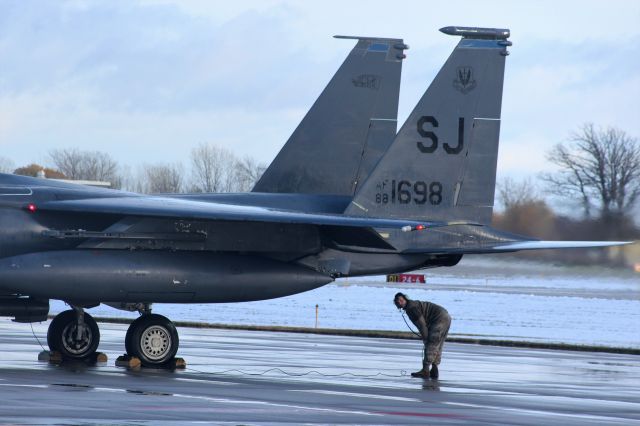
(433, 322)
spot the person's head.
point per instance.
(400, 300)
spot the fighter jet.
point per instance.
(343, 198)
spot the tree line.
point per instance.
(211, 168)
(597, 179)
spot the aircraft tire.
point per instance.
(127, 339)
(61, 336)
(153, 339)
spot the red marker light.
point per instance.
(32, 208)
(409, 228)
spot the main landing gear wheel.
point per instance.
(73, 334)
(152, 338)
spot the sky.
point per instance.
(148, 80)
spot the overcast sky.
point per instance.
(148, 80)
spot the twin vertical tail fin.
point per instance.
(442, 163)
(348, 128)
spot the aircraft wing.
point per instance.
(175, 208)
(188, 209)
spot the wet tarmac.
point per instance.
(244, 377)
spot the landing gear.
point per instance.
(153, 339)
(74, 334)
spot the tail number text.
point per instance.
(407, 192)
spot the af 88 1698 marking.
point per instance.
(407, 192)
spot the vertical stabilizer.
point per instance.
(442, 163)
(348, 128)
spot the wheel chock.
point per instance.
(100, 357)
(178, 363)
(53, 357)
(128, 361)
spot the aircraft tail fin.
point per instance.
(348, 128)
(442, 163)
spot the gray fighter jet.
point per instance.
(343, 198)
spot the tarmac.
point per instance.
(258, 377)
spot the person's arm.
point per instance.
(421, 323)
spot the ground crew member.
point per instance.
(433, 322)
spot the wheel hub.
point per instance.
(155, 342)
(71, 342)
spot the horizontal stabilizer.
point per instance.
(508, 247)
(540, 245)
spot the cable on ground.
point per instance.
(287, 373)
(308, 373)
(34, 335)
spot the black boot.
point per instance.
(422, 373)
(434, 372)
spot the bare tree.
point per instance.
(212, 169)
(248, 172)
(525, 212)
(86, 165)
(126, 179)
(68, 161)
(513, 193)
(598, 167)
(161, 178)
(6, 165)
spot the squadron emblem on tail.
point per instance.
(464, 81)
(368, 81)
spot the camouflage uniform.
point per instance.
(433, 322)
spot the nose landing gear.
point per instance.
(74, 334)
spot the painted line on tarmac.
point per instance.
(205, 381)
(16, 385)
(357, 395)
(473, 391)
(538, 412)
(274, 404)
(416, 414)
